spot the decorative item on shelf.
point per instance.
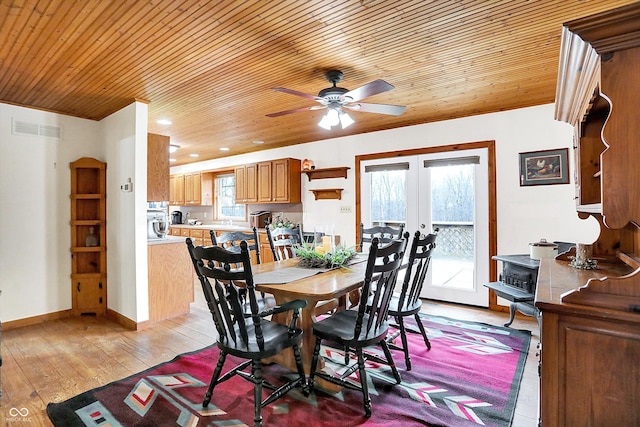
(318, 257)
(91, 239)
(584, 258)
(307, 165)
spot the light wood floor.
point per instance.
(56, 360)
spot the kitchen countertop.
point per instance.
(216, 227)
(166, 240)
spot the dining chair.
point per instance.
(250, 338)
(407, 302)
(385, 234)
(231, 240)
(282, 240)
(366, 326)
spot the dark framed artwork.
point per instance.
(544, 167)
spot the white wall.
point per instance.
(35, 262)
(525, 214)
(125, 139)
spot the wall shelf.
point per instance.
(338, 172)
(327, 193)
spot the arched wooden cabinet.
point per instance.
(591, 318)
(88, 236)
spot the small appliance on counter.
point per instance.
(259, 219)
(157, 224)
(176, 217)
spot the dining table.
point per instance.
(288, 281)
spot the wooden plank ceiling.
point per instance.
(209, 66)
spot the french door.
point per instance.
(447, 191)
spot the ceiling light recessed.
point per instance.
(173, 148)
(258, 141)
(172, 160)
(164, 122)
(224, 148)
(194, 155)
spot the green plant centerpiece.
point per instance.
(312, 257)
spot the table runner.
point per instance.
(291, 274)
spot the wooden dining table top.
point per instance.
(324, 285)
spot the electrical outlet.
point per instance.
(345, 209)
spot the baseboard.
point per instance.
(111, 315)
(124, 320)
(28, 321)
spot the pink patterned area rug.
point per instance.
(470, 377)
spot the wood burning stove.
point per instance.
(517, 283)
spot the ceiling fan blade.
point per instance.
(373, 88)
(283, 113)
(297, 93)
(392, 110)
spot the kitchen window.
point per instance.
(225, 206)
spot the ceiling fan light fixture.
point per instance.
(345, 120)
(324, 122)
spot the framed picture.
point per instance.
(544, 167)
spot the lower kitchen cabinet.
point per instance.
(170, 280)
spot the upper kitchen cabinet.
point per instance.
(157, 168)
(176, 190)
(191, 189)
(279, 181)
(246, 180)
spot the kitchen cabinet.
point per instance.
(279, 181)
(275, 181)
(266, 254)
(590, 340)
(199, 236)
(88, 254)
(171, 276)
(191, 189)
(176, 190)
(246, 181)
(158, 182)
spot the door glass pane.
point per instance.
(452, 212)
(388, 197)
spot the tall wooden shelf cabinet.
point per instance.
(88, 236)
(590, 333)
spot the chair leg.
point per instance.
(214, 379)
(390, 362)
(423, 332)
(363, 383)
(256, 371)
(314, 363)
(298, 356)
(405, 344)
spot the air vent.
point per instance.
(35, 129)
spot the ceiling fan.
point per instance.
(336, 98)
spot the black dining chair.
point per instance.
(282, 240)
(250, 338)
(231, 240)
(366, 326)
(407, 303)
(385, 234)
